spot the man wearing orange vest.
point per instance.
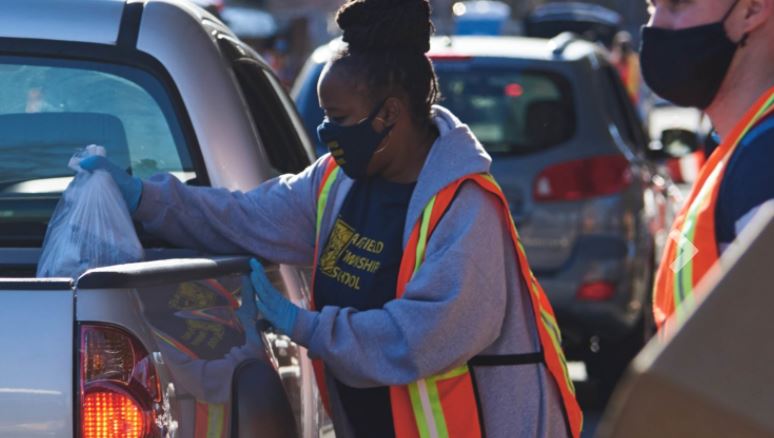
(716, 55)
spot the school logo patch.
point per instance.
(341, 238)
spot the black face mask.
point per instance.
(688, 66)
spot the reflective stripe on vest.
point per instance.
(445, 405)
(692, 249)
(442, 405)
(211, 420)
(330, 174)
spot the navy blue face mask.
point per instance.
(688, 66)
(353, 146)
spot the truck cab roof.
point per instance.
(85, 21)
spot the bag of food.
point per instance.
(91, 225)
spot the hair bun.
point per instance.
(374, 25)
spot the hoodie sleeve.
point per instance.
(274, 221)
(452, 309)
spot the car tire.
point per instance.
(607, 366)
(260, 404)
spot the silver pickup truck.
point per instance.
(158, 348)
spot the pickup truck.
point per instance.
(166, 347)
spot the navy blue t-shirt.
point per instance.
(359, 268)
(748, 181)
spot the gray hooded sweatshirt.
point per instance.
(467, 298)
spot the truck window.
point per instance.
(50, 108)
(274, 116)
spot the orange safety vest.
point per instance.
(445, 405)
(692, 248)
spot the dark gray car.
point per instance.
(570, 154)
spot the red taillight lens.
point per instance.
(596, 291)
(583, 179)
(513, 90)
(120, 391)
(112, 414)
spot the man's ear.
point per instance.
(757, 14)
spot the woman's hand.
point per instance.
(275, 308)
(130, 186)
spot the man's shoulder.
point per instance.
(755, 154)
(756, 148)
(749, 179)
(760, 135)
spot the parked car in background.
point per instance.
(571, 156)
(590, 21)
(166, 347)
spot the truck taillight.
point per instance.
(112, 414)
(119, 387)
(582, 179)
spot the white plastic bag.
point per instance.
(91, 225)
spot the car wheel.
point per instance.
(608, 364)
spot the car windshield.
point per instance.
(49, 109)
(510, 111)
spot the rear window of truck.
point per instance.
(49, 109)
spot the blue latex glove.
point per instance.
(130, 186)
(278, 310)
(248, 313)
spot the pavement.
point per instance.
(591, 399)
(592, 405)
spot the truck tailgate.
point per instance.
(36, 358)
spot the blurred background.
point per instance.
(287, 31)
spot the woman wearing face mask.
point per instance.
(426, 319)
(717, 56)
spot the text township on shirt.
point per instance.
(342, 238)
